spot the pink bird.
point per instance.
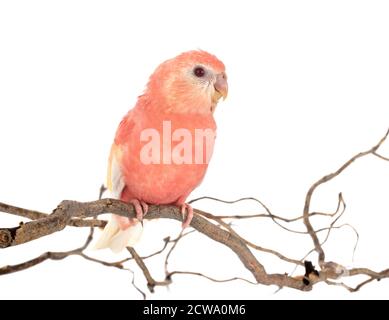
(163, 145)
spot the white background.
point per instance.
(308, 89)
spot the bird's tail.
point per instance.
(116, 238)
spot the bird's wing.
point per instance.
(115, 180)
(113, 237)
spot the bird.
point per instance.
(163, 145)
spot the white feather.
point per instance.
(117, 180)
(126, 238)
(116, 239)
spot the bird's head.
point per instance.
(192, 82)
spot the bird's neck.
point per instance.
(185, 105)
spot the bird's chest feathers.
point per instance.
(174, 140)
(177, 142)
(170, 150)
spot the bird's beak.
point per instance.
(221, 87)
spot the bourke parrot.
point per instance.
(163, 145)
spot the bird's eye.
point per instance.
(199, 72)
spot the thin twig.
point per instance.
(327, 178)
(250, 244)
(175, 242)
(151, 283)
(171, 274)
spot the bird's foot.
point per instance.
(140, 207)
(186, 220)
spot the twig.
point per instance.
(171, 274)
(151, 283)
(175, 242)
(250, 244)
(35, 215)
(326, 178)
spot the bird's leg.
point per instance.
(186, 220)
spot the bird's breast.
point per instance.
(165, 158)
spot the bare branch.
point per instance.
(380, 156)
(250, 244)
(84, 214)
(323, 180)
(67, 210)
(171, 274)
(175, 242)
(151, 283)
(35, 215)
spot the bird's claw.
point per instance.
(186, 220)
(140, 207)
